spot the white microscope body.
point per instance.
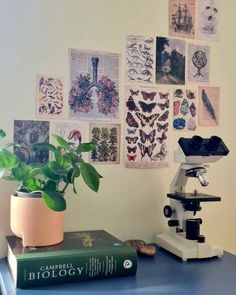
(184, 239)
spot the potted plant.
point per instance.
(38, 205)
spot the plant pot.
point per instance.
(34, 222)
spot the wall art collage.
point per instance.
(166, 89)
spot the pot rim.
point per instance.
(27, 194)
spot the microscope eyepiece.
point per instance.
(195, 142)
(213, 143)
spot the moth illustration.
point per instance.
(146, 150)
(131, 157)
(144, 136)
(147, 107)
(134, 92)
(131, 139)
(164, 116)
(131, 105)
(131, 121)
(162, 138)
(148, 95)
(161, 155)
(131, 149)
(147, 120)
(162, 106)
(162, 127)
(164, 95)
(131, 131)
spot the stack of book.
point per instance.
(83, 255)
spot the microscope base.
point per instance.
(187, 249)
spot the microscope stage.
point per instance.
(193, 197)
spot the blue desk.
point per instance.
(164, 274)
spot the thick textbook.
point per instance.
(83, 255)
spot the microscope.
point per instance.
(184, 238)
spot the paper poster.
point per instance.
(198, 63)
(208, 20)
(139, 59)
(170, 61)
(182, 18)
(94, 89)
(50, 97)
(184, 109)
(209, 106)
(27, 133)
(74, 132)
(107, 137)
(146, 127)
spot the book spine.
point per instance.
(72, 268)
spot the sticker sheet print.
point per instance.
(27, 133)
(50, 97)
(209, 106)
(146, 127)
(198, 63)
(184, 109)
(94, 90)
(208, 20)
(107, 137)
(170, 61)
(182, 18)
(139, 59)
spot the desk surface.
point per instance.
(162, 274)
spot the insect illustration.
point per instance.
(131, 157)
(147, 107)
(131, 149)
(131, 105)
(162, 138)
(147, 120)
(144, 136)
(148, 95)
(164, 116)
(134, 92)
(164, 95)
(131, 131)
(162, 106)
(131, 121)
(161, 155)
(131, 139)
(162, 127)
(146, 150)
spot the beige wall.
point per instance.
(35, 36)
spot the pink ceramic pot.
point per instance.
(34, 222)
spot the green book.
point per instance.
(83, 255)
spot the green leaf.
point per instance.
(2, 133)
(50, 174)
(50, 186)
(90, 176)
(54, 200)
(61, 141)
(21, 171)
(86, 147)
(45, 146)
(55, 168)
(8, 159)
(31, 183)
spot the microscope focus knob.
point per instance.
(173, 222)
(167, 211)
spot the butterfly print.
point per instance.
(144, 137)
(131, 105)
(131, 139)
(163, 95)
(161, 155)
(131, 149)
(162, 127)
(131, 131)
(131, 157)
(134, 92)
(162, 106)
(148, 95)
(131, 121)
(146, 149)
(162, 138)
(147, 107)
(164, 116)
(147, 120)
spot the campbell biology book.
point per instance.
(83, 255)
